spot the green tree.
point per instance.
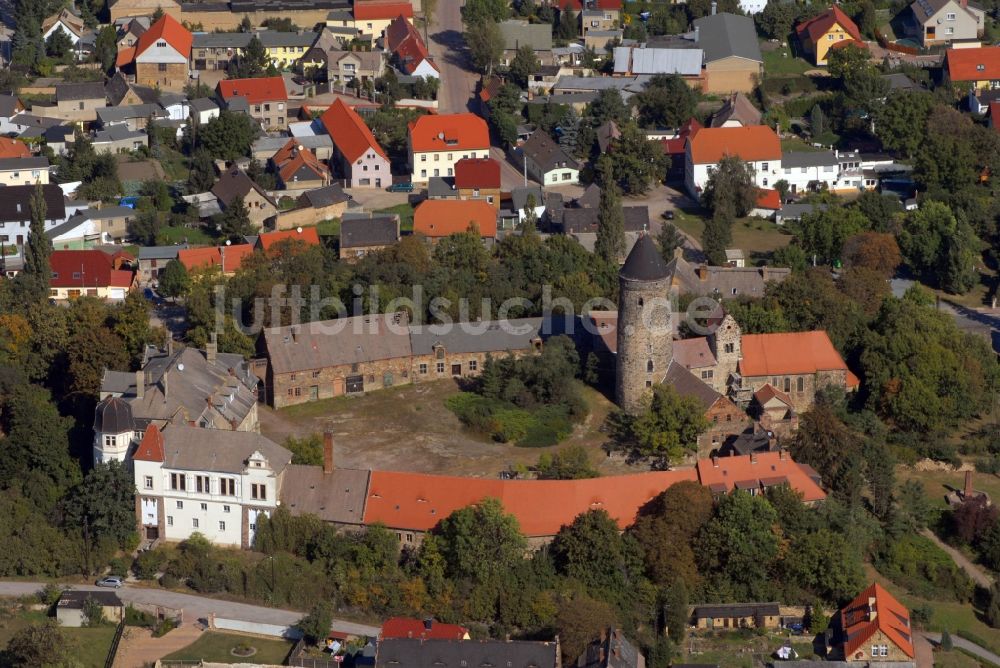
(254, 62)
(145, 227)
(738, 549)
(717, 237)
(635, 164)
(58, 45)
(174, 280)
(201, 178)
(777, 19)
(992, 612)
(228, 136)
(946, 642)
(834, 450)
(524, 64)
(307, 450)
(486, 45)
(670, 426)
(567, 28)
(579, 621)
(900, 123)
(730, 188)
(234, 223)
(38, 645)
(478, 12)
(33, 280)
(675, 610)
(610, 243)
(93, 611)
(569, 463)
(593, 551)
(817, 121)
(666, 102)
(670, 239)
(315, 626)
(822, 233)
(791, 256)
(131, 324)
(106, 47)
(824, 563)
(941, 248)
(665, 530)
(481, 542)
(916, 508)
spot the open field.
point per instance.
(217, 647)
(422, 435)
(740, 648)
(753, 235)
(777, 62)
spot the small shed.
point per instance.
(70, 608)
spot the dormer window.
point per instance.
(980, 68)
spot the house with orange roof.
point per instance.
(439, 218)
(407, 49)
(874, 627)
(160, 56)
(975, 68)
(359, 158)
(264, 99)
(226, 258)
(757, 472)
(425, 629)
(12, 148)
(757, 145)
(768, 203)
(438, 141)
(824, 31)
(797, 363)
(373, 17)
(478, 178)
(299, 237)
(91, 273)
(298, 168)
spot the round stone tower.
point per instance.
(645, 334)
(114, 430)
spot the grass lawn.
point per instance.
(216, 647)
(777, 63)
(192, 235)
(174, 164)
(954, 659)
(329, 228)
(89, 646)
(405, 212)
(739, 649)
(752, 235)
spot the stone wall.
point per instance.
(174, 78)
(725, 419)
(645, 342)
(332, 381)
(802, 399)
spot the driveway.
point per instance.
(373, 199)
(977, 574)
(197, 607)
(447, 48)
(969, 647)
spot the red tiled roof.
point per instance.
(11, 148)
(382, 10)
(349, 132)
(444, 217)
(399, 31)
(264, 89)
(125, 57)
(890, 617)
(768, 198)
(419, 501)
(477, 173)
(168, 29)
(973, 64)
(449, 132)
(89, 269)
(411, 53)
(751, 144)
(150, 448)
(307, 235)
(577, 5)
(791, 353)
(292, 157)
(820, 25)
(768, 392)
(228, 258)
(750, 469)
(407, 627)
(678, 144)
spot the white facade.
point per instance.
(556, 176)
(162, 52)
(59, 25)
(222, 506)
(766, 174)
(113, 447)
(440, 163)
(751, 7)
(427, 70)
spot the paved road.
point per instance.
(979, 576)
(197, 607)
(447, 48)
(969, 647)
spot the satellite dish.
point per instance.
(299, 230)
(229, 242)
(441, 135)
(180, 367)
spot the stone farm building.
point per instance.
(353, 355)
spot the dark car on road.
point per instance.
(405, 187)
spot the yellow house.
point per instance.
(285, 48)
(24, 171)
(374, 18)
(831, 29)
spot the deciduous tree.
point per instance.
(730, 189)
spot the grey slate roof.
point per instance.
(160, 252)
(325, 196)
(273, 144)
(519, 196)
(518, 33)
(547, 154)
(274, 38)
(478, 337)
(612, 650)
(218, 450)
(8, 105)
(441, 187)
(113, 415)
(687, 384)
(235, 183)
(74, 599)
(107, 212)
(414, 653)
(736, 610)
(577, 221)
(89, 90)
(337, 497)
(117, 133)
(726, 281)
(128, 111)
(364, 232)
(7, 164)
(724, 35)
(317, 345)
(203, 104)
(15, 205)
(220, 40)
(644, 263)
(809, 159)
(182, 386)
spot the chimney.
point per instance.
(783, 455)
(872, 611)
(703, 272)
(715, 461)
(211, 348)
(328, 457)
(764, 274)
(715, 7)
(697, 34)
(753, 457)
(969, 491)
(140, 384)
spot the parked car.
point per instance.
(405, 187)
(111, 581)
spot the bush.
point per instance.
(164, 627)
(916, 563)
(168, 581)
(149, 563)
(49, 594)
(134, 617)
(120, 566)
